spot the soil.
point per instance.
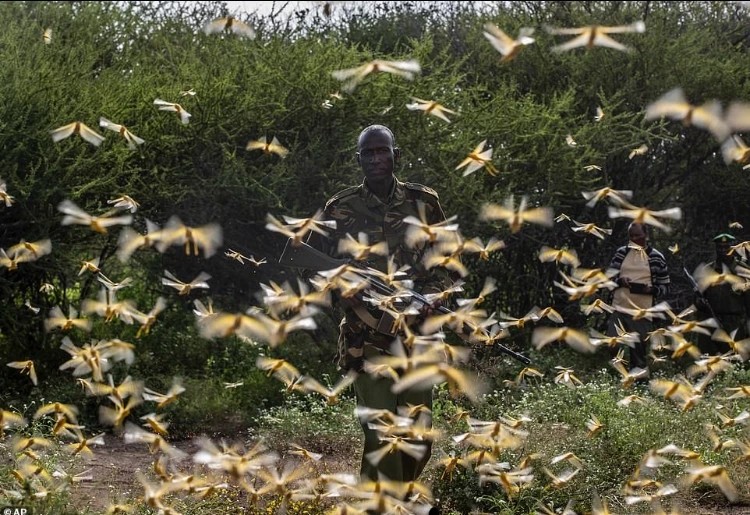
(114, 465)
(113, 469)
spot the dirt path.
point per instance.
(113, 468)
(114, 465)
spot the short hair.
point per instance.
(376, 127)
(643, 227)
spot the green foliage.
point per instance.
(113, 59)
(275, 86)
(558, 425)
(303, 418)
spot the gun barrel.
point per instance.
(302, 255)
(387, 290)
(692, 280)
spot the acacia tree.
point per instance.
(113, 60)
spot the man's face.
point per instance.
(637, 235)
(377, 156)
(722, 250)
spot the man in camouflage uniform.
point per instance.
(730, 306)
(377, 208)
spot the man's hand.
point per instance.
(349, 302)
(624, 282)
(640, 288)
(702, 304)
(430, 309)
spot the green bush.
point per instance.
(305, 418)
(114, 59)
(558, 425)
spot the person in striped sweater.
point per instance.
(642, 277)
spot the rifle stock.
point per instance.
(305, 256)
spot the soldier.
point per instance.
(729, 305)
(377, 208)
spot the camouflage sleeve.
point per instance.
(437, 278)
(338, 209)
(326, 244)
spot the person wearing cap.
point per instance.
(730, 306)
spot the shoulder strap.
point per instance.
(422, 188)
(342, 194)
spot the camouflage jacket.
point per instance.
(358, 210)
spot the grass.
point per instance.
(557, 417)
(558, 425)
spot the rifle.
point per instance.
(302, 255)
(697, 291)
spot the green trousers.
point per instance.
(375, 393)
(642, 326)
